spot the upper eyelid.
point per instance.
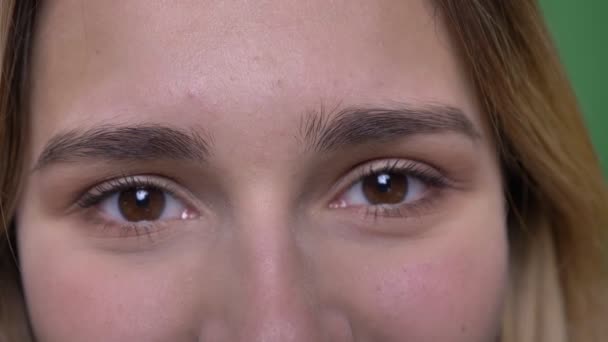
(366, 168)
(101, 190)
(96, 193)
(390, 164)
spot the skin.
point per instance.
(264, 255)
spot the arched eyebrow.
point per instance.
(110, 142)
(320, 131)
(324, 131)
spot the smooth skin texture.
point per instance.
(268, 238)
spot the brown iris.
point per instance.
(141, 204)
(385, 188)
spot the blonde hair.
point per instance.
(558, 199)
(558, 215)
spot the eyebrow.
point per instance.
(321, 131)
(326, 131)
(141, 142)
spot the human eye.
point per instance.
(135, 205)
(391, 188)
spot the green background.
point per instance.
(580, 30)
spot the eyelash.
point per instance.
(106, 189)
(428, 175)
(103, 190)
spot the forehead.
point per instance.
(216, 60)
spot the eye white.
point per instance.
(355, 196)
(173, 209)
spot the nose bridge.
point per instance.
(279, 302)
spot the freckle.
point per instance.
(279, 83)
(463, 328)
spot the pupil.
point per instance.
(141, 204)
(384, 182)
(385, 188)
(142, 198)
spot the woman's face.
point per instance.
(257, 171)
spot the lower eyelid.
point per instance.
(151, 231)
(429, 204)
(102, 217)
(414, 209)
(340, 202)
